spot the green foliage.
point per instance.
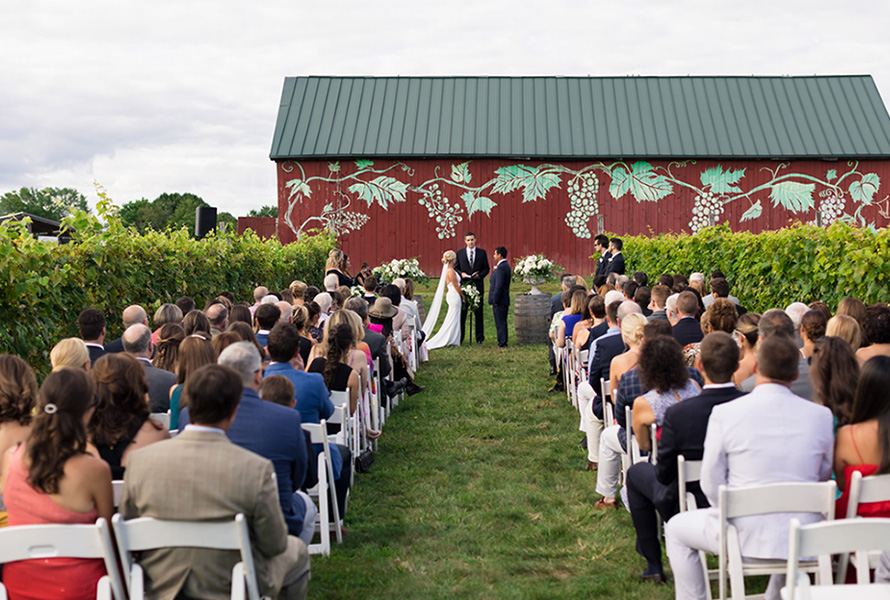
(50, 203)
(175, 211)
(775, 268)
(44, 286)
(265, 211)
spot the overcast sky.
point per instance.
(182, 96)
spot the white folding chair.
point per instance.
(147, 533)
(323, 492)
(342, 418)
(412, 346)
(687, 472)
(380, 396)
(608, 407)
(583, 357)
(797, 497)
(25, 542)
(117, 488)
(569, 373)
(834, 537)
(163, 417)
(863, 490)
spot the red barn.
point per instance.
(401, 167)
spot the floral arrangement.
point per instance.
(536, 268)
(357, 291)
(405, 268)
(472, 297)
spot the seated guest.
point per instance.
(196, 322)
(370, 285)
(720, 316)
(408, 306)
(687, 330)
(334, 363)
(167, 314)
(324, 302)
(265, 318)
(194, 353)
(297, 289)
(245, 332)
(875, 329)
(653, 488)
(719, 289)
(776, 322)
(846, 328)
(91, 325)
(218, 316)
(834, 372)
(287, 296)
(240, 313)
(743, 447)
(312, 325)
(795, 312)
(632, 334)
(121, 422)
(643, 297)
(670, 309)
(286, 309)
(137, 342)
(274, 432)
(51, 479)
(18, 396)
(746, 334)
(169, 338)
(812, 329)
(301, 321)
(278, 389)
(573, 315)
(131, 316)
(822, 308)
(330, 283)
(313, 400)
(596, 307)
(400, 320)
(864, 444)
(359, 358)
(201, 476)
(382, 315)
(70, 352)
(310, 294)
(853, 307)
(185, 305)
(377, 346)
(259, 293)
(224, 340)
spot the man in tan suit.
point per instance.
(200, 475)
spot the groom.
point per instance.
(499, 294)
(472, 266)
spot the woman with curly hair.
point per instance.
(51, 478)
(746, 335)
(18, 395)
(194, 353)
(721, 315)
(834, 372)
(122, 420)
(170, 336)
(333, 364)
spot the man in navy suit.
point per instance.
(274, 432)
(472, 267)
(91, 324)
(687, 330)
(499, 294)
(616, 259)
(655, 487)
(601, 245)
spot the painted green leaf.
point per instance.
(752, 213)
(473, 204)
(364, 163)
(383, 190)
(831, 175)
(722, 182)
(535, 183)
(461, 173)
(865, 189)
(298, 186)
(793, 195)
(641, 181)
(334, 167)
(328, 208)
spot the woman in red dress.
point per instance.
(50, 478)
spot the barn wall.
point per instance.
(385, 209)
(264, 227)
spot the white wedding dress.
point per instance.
(449, 332)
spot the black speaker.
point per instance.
(205, 221)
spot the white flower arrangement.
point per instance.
(472, 297)
(357, 291)
(536, 268)
(405, 268)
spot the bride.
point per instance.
(449, 332)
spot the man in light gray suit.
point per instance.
(776, 321)
(767, 436)
(137, 341)
(201, 476)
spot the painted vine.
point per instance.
(835, 197)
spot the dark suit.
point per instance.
(96, 352)
(499, 298)
(481, 268)
(602, 265)
(688, 331)
(615, 264)
(651, 488)
(115, 346)
(607, 348)
(159, 384)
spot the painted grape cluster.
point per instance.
(582, 197)
(341, 222)
(831, 205)
(706, 204)
(447, 215)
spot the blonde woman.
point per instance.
(70, 352)
(632, 334)
(356, 357)
(449, 332)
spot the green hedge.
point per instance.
(775, 268)
(44, 285)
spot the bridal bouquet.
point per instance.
(536, 268)
(472, 297)
(405, 268)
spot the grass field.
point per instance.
(478, 491)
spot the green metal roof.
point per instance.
(582, 117)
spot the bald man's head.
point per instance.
(628, 307)
(134, 315)
(137, 340)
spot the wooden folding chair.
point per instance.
(25, 542)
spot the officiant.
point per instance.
(472, 267)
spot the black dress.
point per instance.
(113, 454)
(341, 377)
(341, 278)
(305, 348)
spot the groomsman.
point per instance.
(472, 266)
(601, 245)
(499, 294)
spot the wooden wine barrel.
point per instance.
(531, 318)
(420, 307)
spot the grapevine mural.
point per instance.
(455, 193)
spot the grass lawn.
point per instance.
(478, 491)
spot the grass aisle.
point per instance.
(478, 492)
